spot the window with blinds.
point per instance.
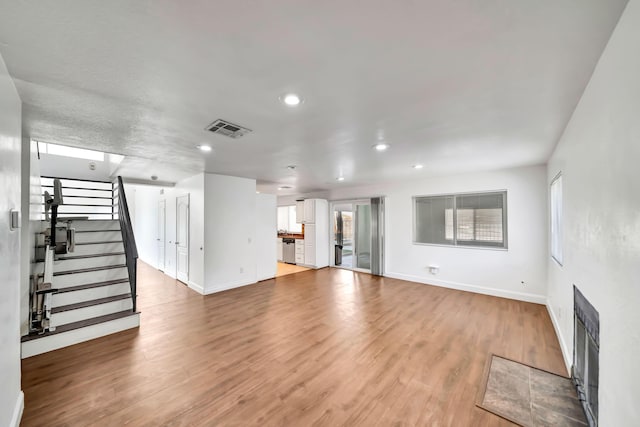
(474, 219)
(556, 218)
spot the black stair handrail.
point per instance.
(128, 240)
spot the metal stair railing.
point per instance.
(84, 198)
(128, 239)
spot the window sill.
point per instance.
(482, 248)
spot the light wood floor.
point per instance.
(322, 347)
(284, 269)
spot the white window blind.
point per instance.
(556, 219)
(475, 219)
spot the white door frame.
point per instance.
(182, 246)
(162, 232)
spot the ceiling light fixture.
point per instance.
(204, 148)
(291, 99)
(291, 167)
(340, 178)
(381, 146)
(285, 187)
(417, 166)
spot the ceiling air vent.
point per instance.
(229, 129)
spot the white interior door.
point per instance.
(162, 208)
(182, 238)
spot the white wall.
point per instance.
(11, 398)
(290, 199)
(266, 232)
(230, 232)
(31, 207)
(143, 210)
(488, 271)
(598, 156)
(67, 167)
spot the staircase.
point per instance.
(94, 292)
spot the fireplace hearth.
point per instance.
(585, 370)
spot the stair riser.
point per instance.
(65, 339)
(101, 248)
(90, 294)
(76, 279)
(82, 225)
(74, 264)
(84, 313)
(98, 236)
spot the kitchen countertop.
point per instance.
(291, 236)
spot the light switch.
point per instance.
(15, 219)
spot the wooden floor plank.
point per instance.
(320, 347)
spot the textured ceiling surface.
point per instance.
(457, 86)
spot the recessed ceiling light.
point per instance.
(381, 146)
(291, 167)
(291, 99)
(340, 178)
(257, 192)
(418, 166)
(205, 148)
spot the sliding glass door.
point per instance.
(352, 235)
(362, 237)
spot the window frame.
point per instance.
(292, 227)
(560, 227)
(505, 216)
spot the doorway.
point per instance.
(352, 235)
(162, 210)
(182, 238)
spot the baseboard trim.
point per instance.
(17, 411)
(199, 289)
(228, 286)
(564, 349)
(520, 296)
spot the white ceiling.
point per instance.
(458, 86)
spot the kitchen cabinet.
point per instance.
(310, 244)
(316, 233)
(300, 211)
(280, 250)
(310, 211)
(300, 251)
(306, 211)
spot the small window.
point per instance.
(556, 218)
(64, 151)
(287, 220)
(474, 219)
